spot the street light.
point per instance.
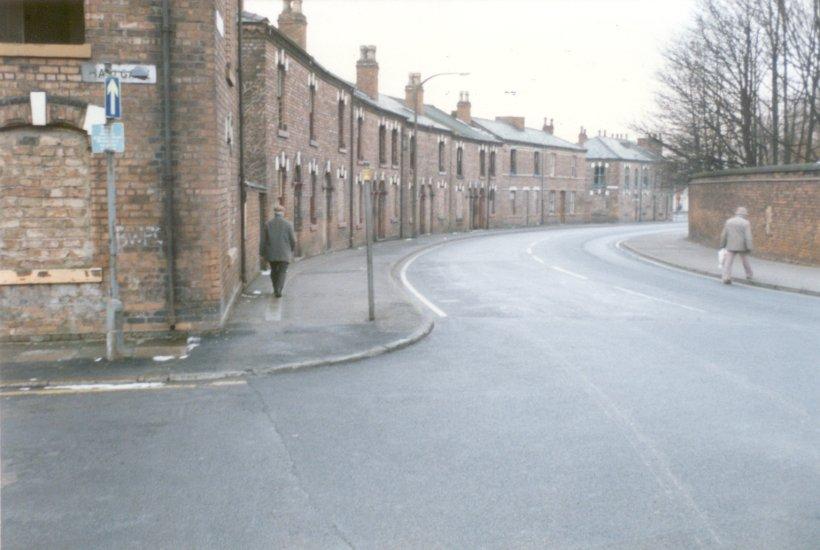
(415, 144)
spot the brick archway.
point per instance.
(60, 111)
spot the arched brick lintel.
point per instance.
(60, 111)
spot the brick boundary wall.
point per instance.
(783, 204)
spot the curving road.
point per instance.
(571, 396)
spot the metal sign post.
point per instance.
(110, 139)
(367, 176)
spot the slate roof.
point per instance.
(459, 128)
(397, 106)
(609, 148)
(508, 132)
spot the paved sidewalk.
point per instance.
(674, 249)
(321, 320)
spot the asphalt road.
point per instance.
(572, 397)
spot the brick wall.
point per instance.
(204, 170)
(783, 205)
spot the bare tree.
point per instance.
(739, 85)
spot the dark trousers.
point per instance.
(277, 276)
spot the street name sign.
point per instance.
(128, 74)
(113, 93)
(107, 138)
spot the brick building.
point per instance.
(541, 178)
(626, 180)
(194, 193)
(178, 193)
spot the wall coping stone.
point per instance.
(785, 168)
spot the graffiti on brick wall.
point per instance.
(143, 237)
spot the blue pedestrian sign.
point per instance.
(107, 138)
(113, 90)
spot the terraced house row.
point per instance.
(198, 178)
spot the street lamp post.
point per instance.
(415, 146)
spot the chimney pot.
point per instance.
(464, 108)
(582, 136)
(548, 127)
(367, 72)
(414, 93)
(293, 23)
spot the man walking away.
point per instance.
(736, 239)
(277, 245)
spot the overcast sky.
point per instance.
(581, 62)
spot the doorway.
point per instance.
(562, 207)
(328, 212)
(263, 221)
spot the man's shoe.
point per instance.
(277, 294)
(727, 281)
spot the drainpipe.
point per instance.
(543, 162)
(401, 183)
(243, 194)
(350, 178)
(167, 173)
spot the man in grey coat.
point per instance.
(276, 245)
(736, 239)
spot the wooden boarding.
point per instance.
(73, 51)
(50, 276)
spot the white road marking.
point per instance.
(555, 267)
(435, 309)
(648, 297)
(68, 389)
(568, 272)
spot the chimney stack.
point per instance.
(548, 128)
(652, 143)
(367, 72)
(582, 136)
(516, 121)
(293, 23)
(412, 100)
(463, 109)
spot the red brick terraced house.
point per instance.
(626, 180)
(177, 181)
(541, 178)
(197, 180)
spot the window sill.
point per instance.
(342, 225)
(460, 177)
(361, 162)
(440, 173)
(343, 150)
(314, 143)
(66, 51)
(395, 166)
(283, 133)
(314, 228)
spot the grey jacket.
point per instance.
(737, 235)
(278, 240)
